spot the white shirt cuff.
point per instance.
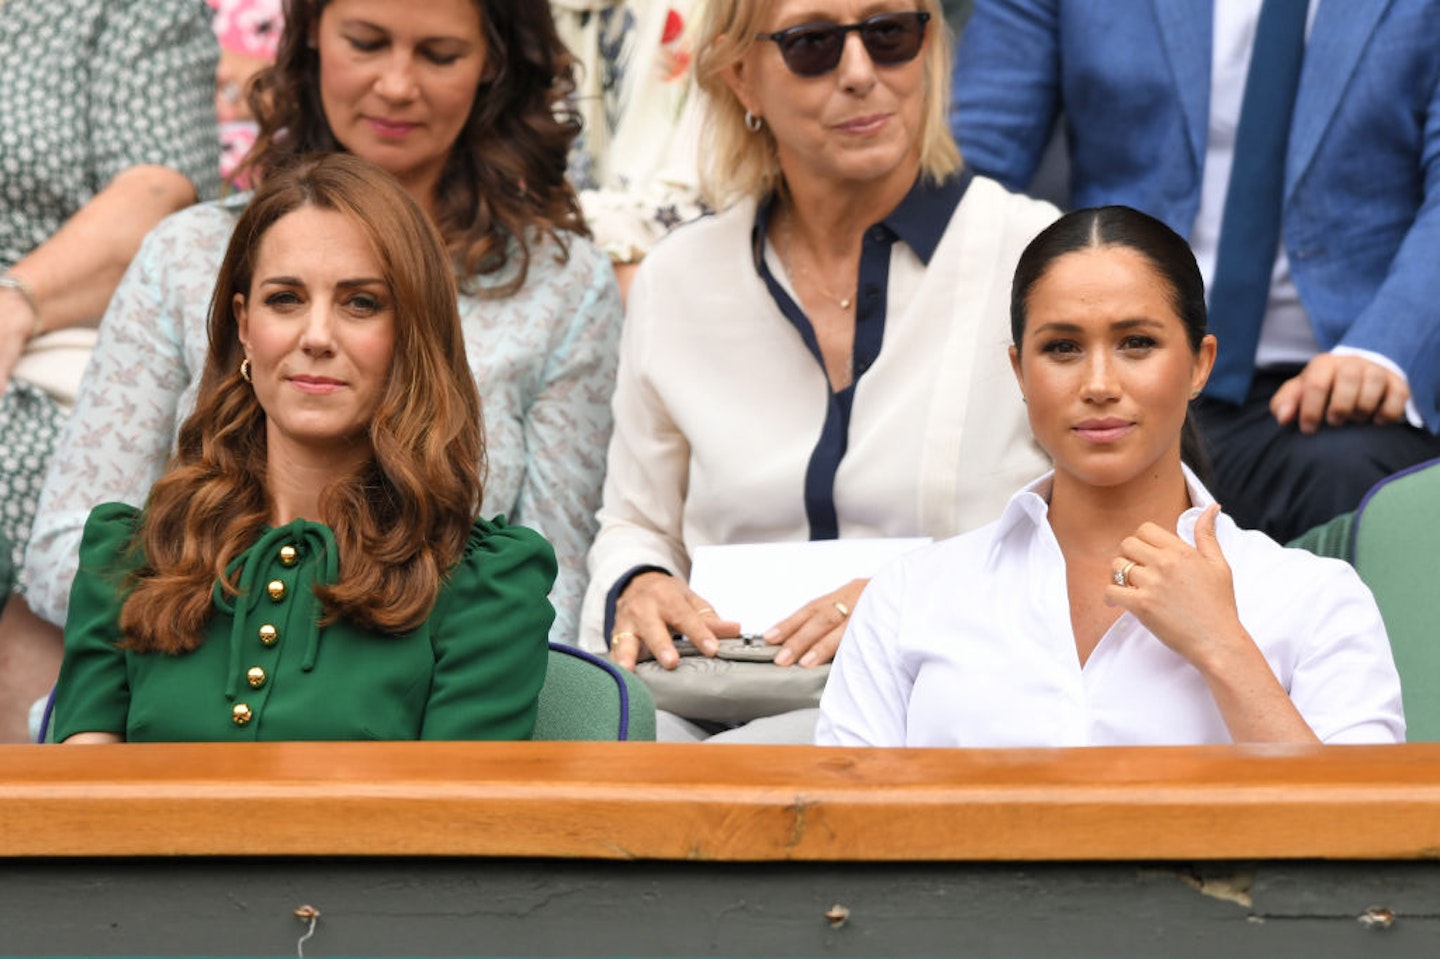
(1412, 412)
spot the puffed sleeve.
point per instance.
(93, 692)
(489, 631)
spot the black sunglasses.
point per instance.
(814, 49)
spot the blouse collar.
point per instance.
(920, 219)
(1029, 511)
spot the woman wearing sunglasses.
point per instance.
(820, 359)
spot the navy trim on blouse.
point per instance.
(919, 221)
(612, 598)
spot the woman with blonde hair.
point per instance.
(310, 567)
(817, 361)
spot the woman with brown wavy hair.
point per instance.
(457, 99)
(310, 567)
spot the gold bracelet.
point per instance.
(9, 281)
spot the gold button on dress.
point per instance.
(276, 589)
(255, 676)
(269, 635)
(288, 555)
(240, 714)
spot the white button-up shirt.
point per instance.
(969, 643)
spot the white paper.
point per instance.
(760, 584)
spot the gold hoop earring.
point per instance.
(245, 369)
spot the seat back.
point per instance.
(1396, 552)
(586, 697)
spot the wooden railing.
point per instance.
(730, 803)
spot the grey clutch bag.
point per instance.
(733, 687)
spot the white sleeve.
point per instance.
(1345, 684)
(867, 698)
(646, 473)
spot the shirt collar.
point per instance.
(1028, 511)
(919, 220)
(1199, 499)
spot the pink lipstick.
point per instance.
(316, 385)
(1103, 430)
(390, 129)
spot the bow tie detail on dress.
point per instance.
(310, 539)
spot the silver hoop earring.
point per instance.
(752, 122)
(245, 369)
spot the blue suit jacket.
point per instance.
(1132, 81)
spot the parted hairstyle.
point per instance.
(1164, 249)
(504, 181)
(737, 163)
(402, 519)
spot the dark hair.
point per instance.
(1162, 247)
(504, 181)
(403, 518)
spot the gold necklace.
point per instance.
(844, 302)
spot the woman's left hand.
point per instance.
(812, 634)
(1183, 594)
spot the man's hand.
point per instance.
(1339, 390)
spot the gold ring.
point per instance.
(702, 612)
(623, 634)
(844, 610)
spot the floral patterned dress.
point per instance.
(88, 88)
(636, 163)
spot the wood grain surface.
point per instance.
(720, 803)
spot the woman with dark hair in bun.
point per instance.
(1112, 603)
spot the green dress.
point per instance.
(268, 671)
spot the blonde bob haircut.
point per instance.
(736, 163)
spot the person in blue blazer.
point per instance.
(1147, 93)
